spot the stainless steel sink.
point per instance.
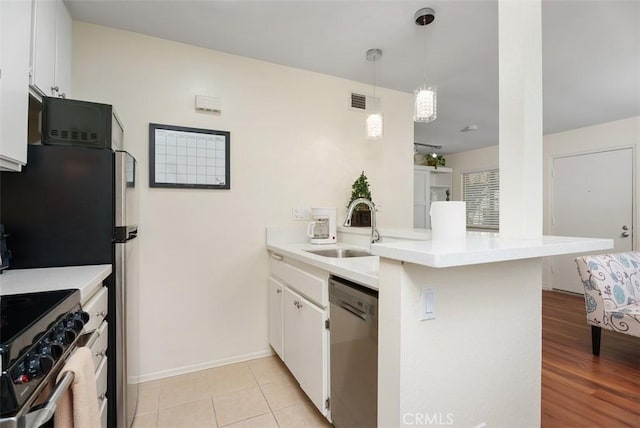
(341, 253)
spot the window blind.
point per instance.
(481, 192)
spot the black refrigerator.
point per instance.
(74, 205)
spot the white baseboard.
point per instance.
(203, 366)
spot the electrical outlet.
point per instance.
(427, 303)
(301, 214)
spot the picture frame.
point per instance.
(191, 158)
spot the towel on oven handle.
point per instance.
(78, 407)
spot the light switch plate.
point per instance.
(301, 214)
(427, 303)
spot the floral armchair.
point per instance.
(611, 293)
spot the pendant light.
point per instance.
(425, 96)
(374, 119)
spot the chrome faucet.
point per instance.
(375, 236)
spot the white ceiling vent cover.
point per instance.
(209, 104)
(362, 102)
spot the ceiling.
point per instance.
(591, 51)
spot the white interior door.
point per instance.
(592, 196)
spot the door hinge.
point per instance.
(326, 323)
(327, 403)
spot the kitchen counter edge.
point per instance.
(478, 249)
(87, 279)
(362, 270)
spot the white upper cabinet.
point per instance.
(63, 51)
(51, 48)
(15, 25)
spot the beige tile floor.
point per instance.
(259, 393)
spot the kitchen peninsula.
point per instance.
(477, 361)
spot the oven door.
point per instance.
(39, 410)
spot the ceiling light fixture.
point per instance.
(425, 96)
(374, 119)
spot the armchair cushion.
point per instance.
(612, 290)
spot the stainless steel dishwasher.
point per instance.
(354, 354)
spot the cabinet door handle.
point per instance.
(277, 257)
(625, 234)
(62, 95)
(54, 89)
(278, 291)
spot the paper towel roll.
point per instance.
(448, 220)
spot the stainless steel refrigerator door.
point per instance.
(126, 269)
(127, 360)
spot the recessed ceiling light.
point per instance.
(469, 128)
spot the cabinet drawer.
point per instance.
(102, 405)
(307, 280)
(96, 307)
(99, 347)
(101, 379)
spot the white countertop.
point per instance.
(415, 246)
(85, 278)
(481, 247)
(363, 270)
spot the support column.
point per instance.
(520, 117)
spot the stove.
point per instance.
(38, 331)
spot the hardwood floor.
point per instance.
(578, 389)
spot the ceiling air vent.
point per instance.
(358, 101)
(361, 102)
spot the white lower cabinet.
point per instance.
(275, 315)
(297, 325)
(305, 346)
(95, 304)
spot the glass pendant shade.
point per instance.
(425, 105)
(374, 126)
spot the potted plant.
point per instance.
(436, 161)
(360, 189)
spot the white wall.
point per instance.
(294, 143)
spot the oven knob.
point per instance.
(53, 349)
(84, 316)
(74, 324)
(69, 336)
(39, 365)
(77, 321)
(65, 336)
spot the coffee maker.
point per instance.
(322, 229)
